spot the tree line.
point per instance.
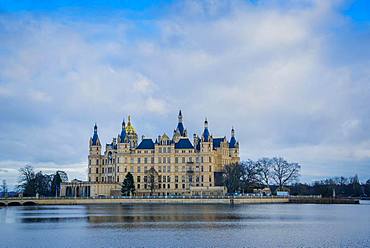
(338, 186)
(33, 183)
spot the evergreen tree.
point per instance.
(128, 185)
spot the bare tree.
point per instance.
(232, 177)
(264, 169)
(152, 180)
(284, 172)
(250, 173)
(27, 183)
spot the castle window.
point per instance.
(110, 170)
(183, 169)
(164, 179)
(160, 168)
(138, 186)
(102, 170)
(168, 186)
(97, 179)
(159, 186)
(97, 161)
(183, 179)
(138, 169)
(138, 179)
(176, 179)
(197, 159)
(168, 168)
(201, 168)
(132, 160)
(169, 149)
(117, 169)
(210, 159)
(117, 179)
(89, 170)
(89, 179)
(168, 179)
(97, 170)
(201, 160)
(210, 179)
(176, 168)
(183, 159)
(145, 169)
(164, 149)
(201, 178)
(190, 159)
(102, 179)
(160, 149)
(89, 161)
(118, 160)
(138, 160)
(176, 160)
(145, 160)
(164, 186)
(183, 186)
(145, 179)
(210, 168)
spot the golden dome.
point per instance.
(130, 128)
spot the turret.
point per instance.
(206, 136)
(180, 131)
(94, 140)
(232, 143)
(122, 136)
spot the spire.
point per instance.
(180, 127)
(180, 116)
(232, 142)
(123, 132)
(95, 138)
(206, 131)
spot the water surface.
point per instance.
(264, 225)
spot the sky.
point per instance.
(292, 78)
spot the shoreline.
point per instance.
(188, 200)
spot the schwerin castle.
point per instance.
(179, 166)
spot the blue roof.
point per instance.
(232, 142)
(180, 127)
(206, 134)
(217, 142)
(184, 144)
(146, 144)
(95, 136)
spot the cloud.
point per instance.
(292, 78)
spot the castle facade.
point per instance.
(164, 166)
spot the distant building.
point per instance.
(179, 166)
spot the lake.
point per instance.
(263, 225)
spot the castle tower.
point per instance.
(233, 145)
(94, 156)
